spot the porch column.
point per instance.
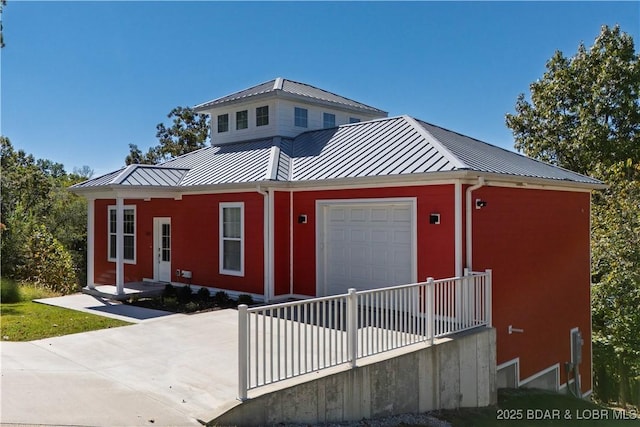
(119, 246)
(90, 243)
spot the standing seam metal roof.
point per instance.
(390, 146)
(292, 87)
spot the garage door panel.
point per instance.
(402, 215)
(379, 214)
(368, 246)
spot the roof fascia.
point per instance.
(336, 105)
(279, 93)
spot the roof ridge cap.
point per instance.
(126, 172)
(458, 164)
(277, 84)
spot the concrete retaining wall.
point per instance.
(459, 372)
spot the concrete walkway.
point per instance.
(104, 307)
(169, 371)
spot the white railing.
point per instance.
(282, 341)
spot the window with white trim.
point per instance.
(232, 238)
(242, 119)
(262, 116)
(223, 123)
(129, 233)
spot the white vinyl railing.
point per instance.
(282, 341)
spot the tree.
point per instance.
(585, 110)
(189, 132)
(43, 224)
(584, 115)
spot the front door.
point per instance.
(162, 249)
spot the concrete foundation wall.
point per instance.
(460, 372)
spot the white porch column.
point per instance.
(119, 246)
(90, 243)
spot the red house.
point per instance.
(307, 193)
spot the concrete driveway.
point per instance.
(169, 371)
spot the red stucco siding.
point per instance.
(537, 244)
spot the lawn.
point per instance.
(25, 320)
(525, 408)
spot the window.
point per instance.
(232, 238)
(328, 120)
(242, 119)
(262, 116)
(129, 231)
(223, 123)
(354, 120)
(300, 117)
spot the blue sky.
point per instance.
(82, 80)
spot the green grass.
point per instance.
(525, 408)
(24, 320)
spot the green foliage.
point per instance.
(221, 298)
(189, 132)
(9, 291)
(245, 299)
(616, 284)
(203, 294)
(34, 195)
(169, 291)
(584, 115)
(184, 294)
(48, 263)
(584, 111)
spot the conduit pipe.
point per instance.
(469, 213)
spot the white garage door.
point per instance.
(367, 246)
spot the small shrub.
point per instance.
(184, 294)
(9, 291)
(221, 298)
(245, 299)
(203, 294)
(169, 291)
(191, 307)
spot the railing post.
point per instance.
(243, 351)
(468, 297)
(487, 305)
(352, 326)
(431, 312)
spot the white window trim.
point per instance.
(221, 238)
(135, 233)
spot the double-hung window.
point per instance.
(242, 119)
(232, 238)
(129, 232)
(223, 123)
(328, 120)
(300, 117)
(262, 116)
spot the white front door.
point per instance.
(366, 245)
(162, 249)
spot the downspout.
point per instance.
(267, 240)
(469, 231)
(458, 227)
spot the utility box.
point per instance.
(576, 347)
